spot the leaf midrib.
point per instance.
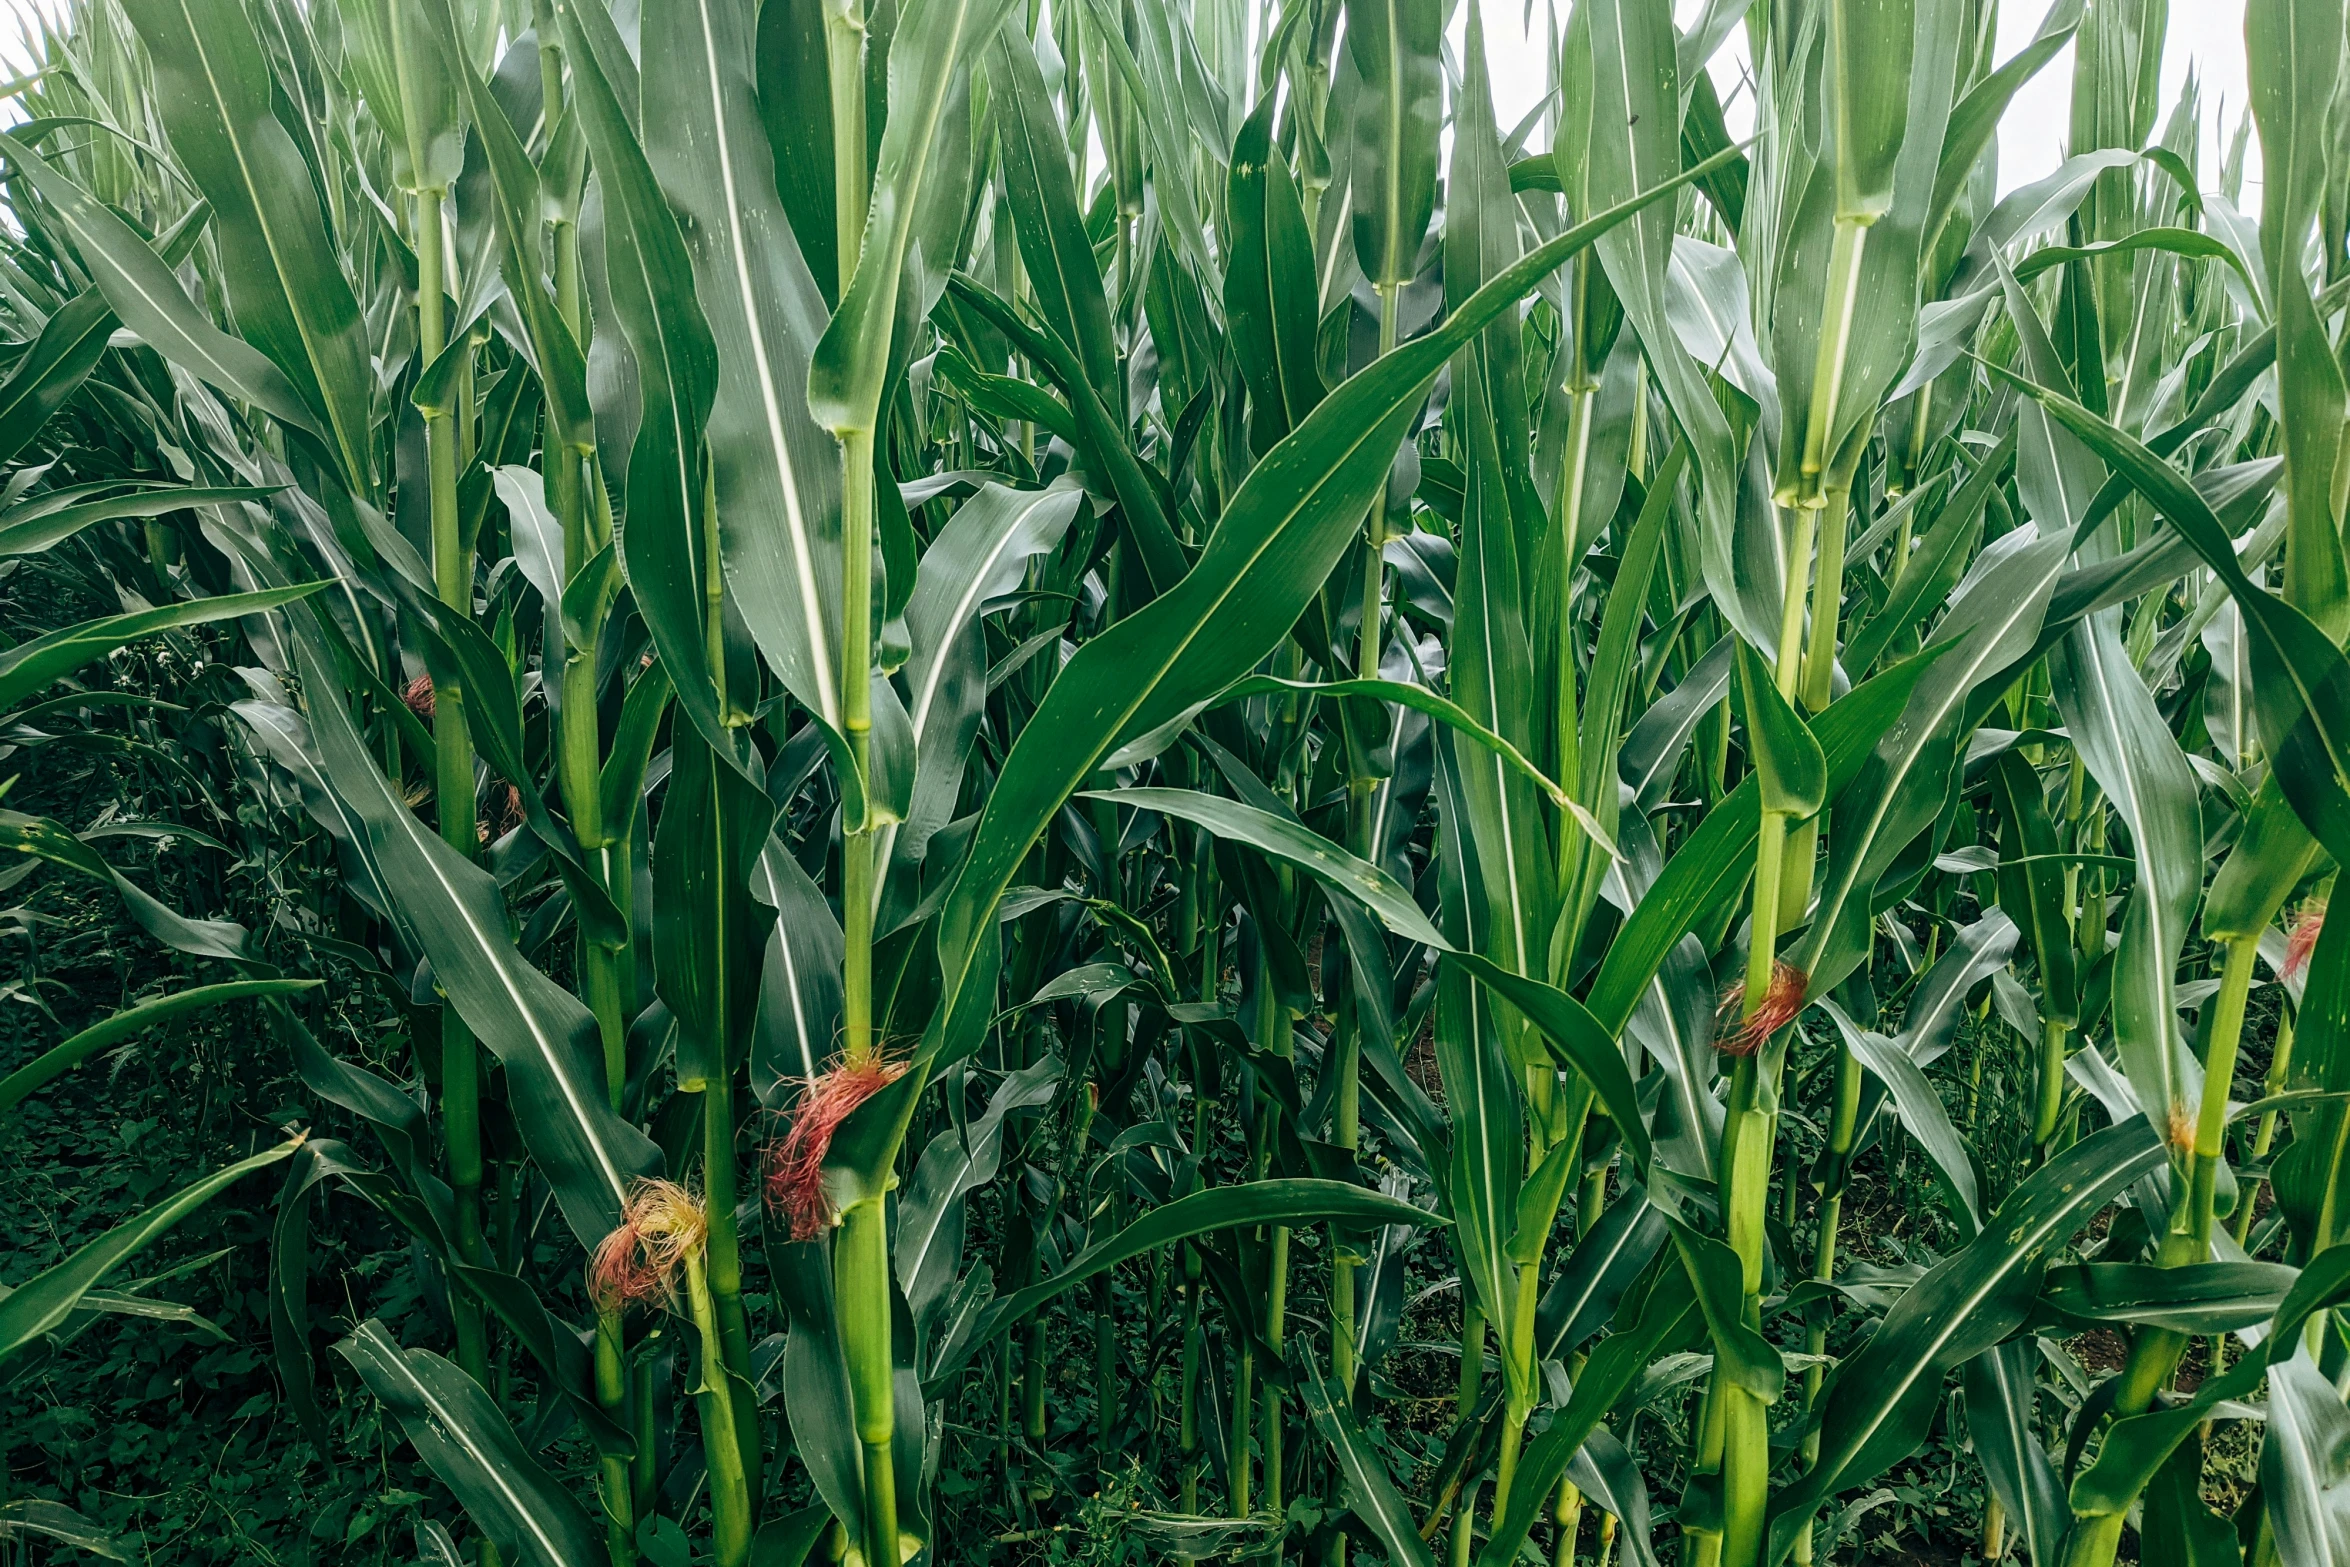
(771, 409)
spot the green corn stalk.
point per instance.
(1113, 447)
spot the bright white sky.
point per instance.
(2206, 36)
(18, 19)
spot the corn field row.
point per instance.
(1095, 734)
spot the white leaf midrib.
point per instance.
(770, 406)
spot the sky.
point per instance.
(16, 17)
(2206, 36)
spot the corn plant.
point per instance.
(1075, 730)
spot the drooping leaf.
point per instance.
(544, 1036)
(290, 296)
(2305, 1463)
(1877, 1409)
(459, 1431)
(49, 1297)
(977, 558)
(2003, 1424)
(1279, 538)
(1362, 1471)
(29, 666)
(1285, 1200)
(130, 1021)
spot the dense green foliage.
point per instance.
(1083, 781)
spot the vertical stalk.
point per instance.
(1567, 1515)
(453, 791)
(1034, 1369)
(1520, 1348)
(1746, 1454)
(1707, 1459)
(2154, 1355)
(730, 1493)
(640, 1416)
(2219, 1071)
(612, 1398)
(857, 849)
(1105, 1354)
(454, 794)
(1843, 1127)
(1464, 1517)
(1751, 1130)
(861, 1265)
(726, 1269)
(1272, 1031)
(1348, 1062)
(579, 759)
(2280, 1063)
(1244, 1373)
(719, 1186)
(1003, 1412)
(861, 1254)
(542, 21)
(861, 1251)
(1348, 1131)
(2051, 1085)
(1796, 594)
(2154, 1352)
(1590, 1200)
(452, 788)
(1819, 655)
(1841, 300)
(1187, 1415)
(1276, 1339)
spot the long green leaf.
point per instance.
(132, 1020)
(1648, 1320)
(141, 289)
(977, 558)
(1573, 1032)
(215, 94)
(2003, 1424)
(1296, 1202)
(27, 667)
(1878, 1409)
(457, 1428)
(1635, 142)
(33, 535)
(1270, 297)
(777, 475)
(546, 1039)
(2305, 1463)
(652, 283)
(1277, 542)
(2123, 740)
(2300, 678)
(48, 1298)
(1362, 1472)
(1046, 218)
